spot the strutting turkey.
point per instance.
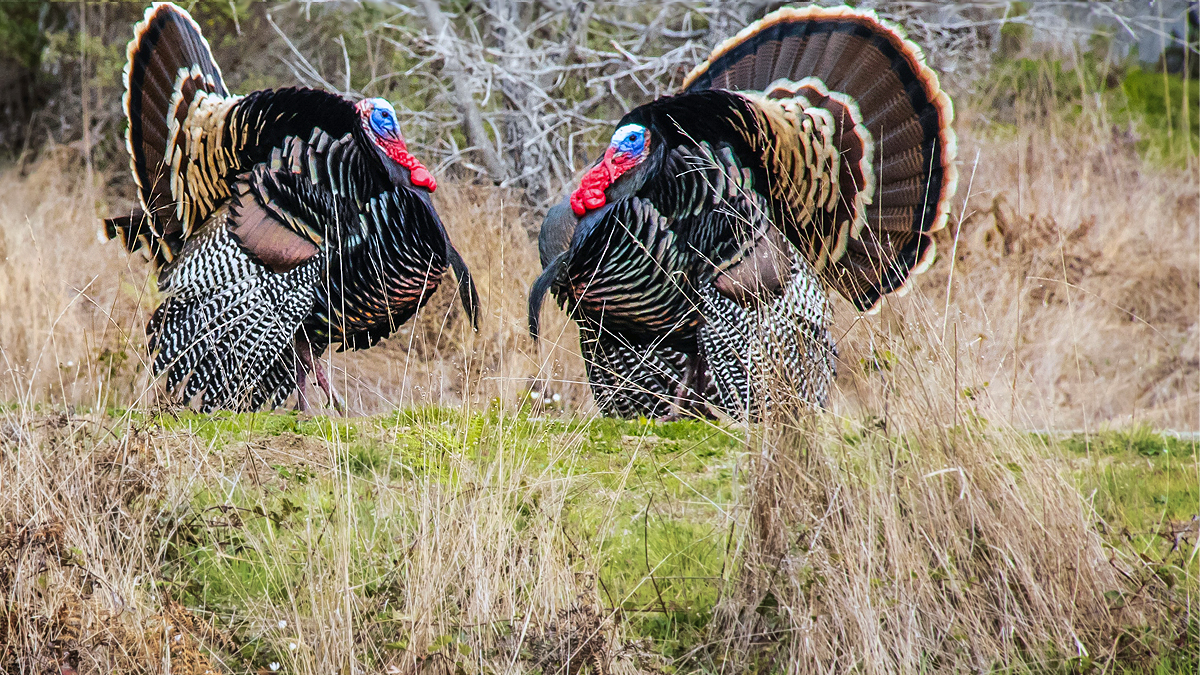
(281, 222)
(813, 150)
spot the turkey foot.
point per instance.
(307, 362)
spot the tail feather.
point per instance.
(864, 70)
(537, 294)
(558, 229)
(169, 62)
(135, 233)
(467, 293)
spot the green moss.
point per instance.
(681, 470)
(1170, 129)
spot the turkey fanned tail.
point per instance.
(884, 125)
(226, 329)
(169, 67)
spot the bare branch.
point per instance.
(463, 95)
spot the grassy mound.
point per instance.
(441, 541)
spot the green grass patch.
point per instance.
(1168, 110)
(648, 505)
(1163, 110)
(1141, 482)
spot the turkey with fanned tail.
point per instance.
(281, 222)
(813, 150)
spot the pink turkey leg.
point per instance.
(308, 363)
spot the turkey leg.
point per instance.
(306, 363)
(301, 385)
(689, 395)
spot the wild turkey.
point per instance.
(282, 221)
(812, 150)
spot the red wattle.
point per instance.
(418, 174)
(421, 176)
(590, 193)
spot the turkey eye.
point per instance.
(382, 121)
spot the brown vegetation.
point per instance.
(912, 527)
(1067, 286)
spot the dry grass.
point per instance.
(1075, 295)
(80, 534)
(910, 529)
(72, 311)
(459, 549)
(466, 562)
(925, 540)
(1072, 287)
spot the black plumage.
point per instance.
(282, 222)
(812, 150)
